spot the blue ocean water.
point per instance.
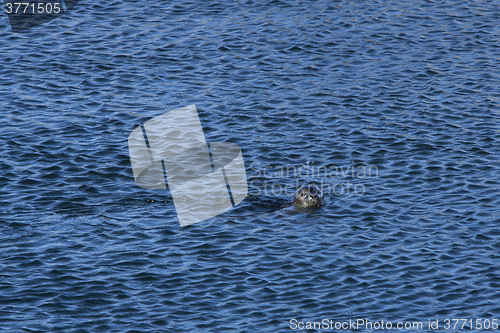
(392, 106)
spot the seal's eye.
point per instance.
(303, 194)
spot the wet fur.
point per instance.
(308, 196)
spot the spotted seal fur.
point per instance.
(308, 196)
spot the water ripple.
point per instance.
(410, 89)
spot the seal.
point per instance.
(308, 196)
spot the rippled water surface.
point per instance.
(408, 90)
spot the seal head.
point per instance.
(308, 196)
